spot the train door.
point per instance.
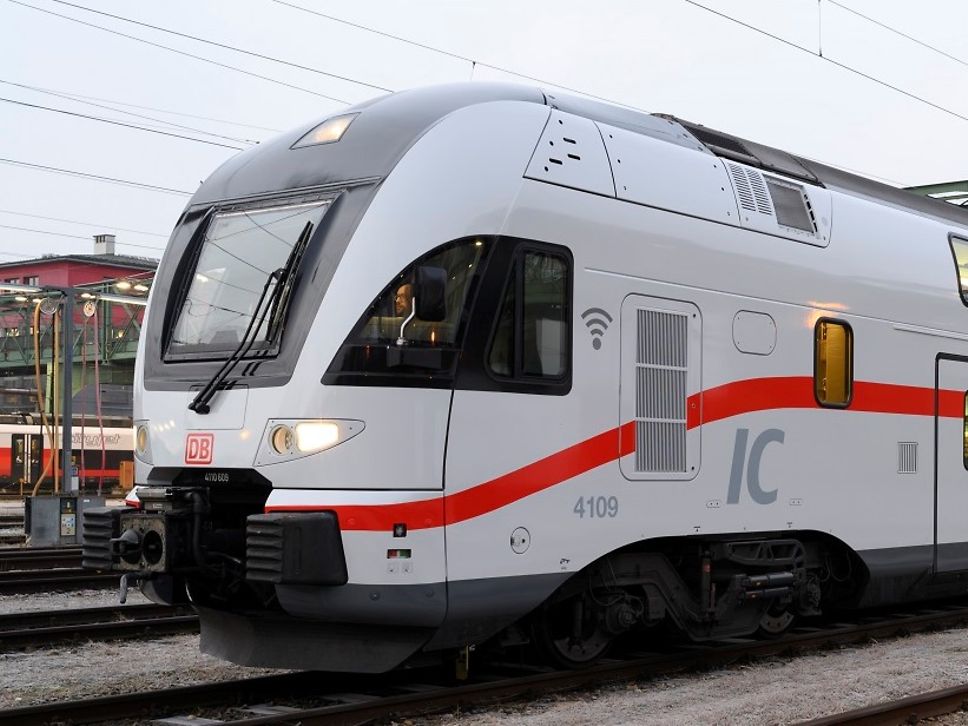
(27, 452)
(951, 466)
(514, 435)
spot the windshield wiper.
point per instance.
(276, 301)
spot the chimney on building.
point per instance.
(104, 244)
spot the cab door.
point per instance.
(951, 465)
(514, 439)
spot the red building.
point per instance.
(113, 340)
(79, 270)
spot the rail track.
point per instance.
(338, 699)
(40, 629)
(55, 580)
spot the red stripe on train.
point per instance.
(722, 402)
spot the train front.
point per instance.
(294, 380)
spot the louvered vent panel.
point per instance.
(264, 551)
(100, 526)
(743, 189)
(764, 205)
(907, 457)
(662, 345)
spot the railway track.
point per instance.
(39, 629)
(354, 699)
(902, 711)
(35, 558)
(55, 580)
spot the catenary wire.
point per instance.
(225, 46)
(135, 127)
(85, 224)
(920, 42)
(98, 177)
(75, 96)
(843, 66)
(74, 236)
(450, 54)
(181, 52)
(77, 99)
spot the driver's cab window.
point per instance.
(411, 333)
(394, 311)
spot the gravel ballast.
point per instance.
(774, 691)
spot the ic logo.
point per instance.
(597, 322)
(198, 448)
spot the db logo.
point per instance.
(198, 448)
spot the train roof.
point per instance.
(388, 125)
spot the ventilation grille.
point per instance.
(662, 355)
(100, 526)
(751, 189)
(907, 457)
(264, 549)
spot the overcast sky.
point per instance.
(665, 56)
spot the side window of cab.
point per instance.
(531, 340)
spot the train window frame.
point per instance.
(964, 431)
(850, 362)
(961, 280)
(518, 380)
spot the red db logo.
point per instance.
(198, 448)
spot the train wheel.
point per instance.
(570, 632)
(776, 621)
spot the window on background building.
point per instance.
(833, 370)
(32, 280)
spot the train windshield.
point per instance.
(234, 276)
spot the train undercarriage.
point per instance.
(214, 547)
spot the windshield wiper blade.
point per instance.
(280, 276)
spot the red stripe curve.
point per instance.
(722, 402)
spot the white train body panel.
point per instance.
(510, 489)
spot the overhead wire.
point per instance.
(180, 52)
(901, 33)
(75, 96)
(82, 100)
(136, 127)
(98, 177)
(73, 236)
(828, 59)
(457, 56)
(225, 46)
(85, 224)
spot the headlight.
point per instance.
(287, 439)
(142, 442)
(281, 439)
(316, 435)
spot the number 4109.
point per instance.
(600, 507)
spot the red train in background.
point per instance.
(26, 447)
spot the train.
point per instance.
(485, 364)
(26, 449)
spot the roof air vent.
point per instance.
(750, 189)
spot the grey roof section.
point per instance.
(137, 263)
(369, 149)
(389, 125)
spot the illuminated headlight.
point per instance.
(287, 439)
(142, 442)
(314, 436)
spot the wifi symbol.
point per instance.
(597, 321)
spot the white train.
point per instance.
(477, 360)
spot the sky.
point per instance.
(666, 56)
